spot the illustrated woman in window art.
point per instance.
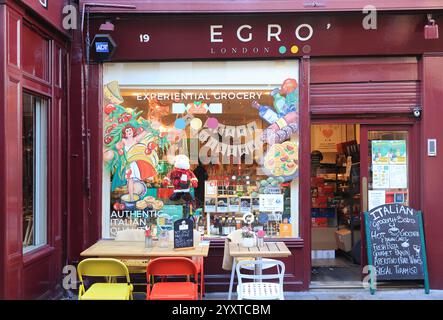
(138, 156)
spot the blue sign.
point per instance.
(102, 47)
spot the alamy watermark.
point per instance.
(370, 20)
(370, 279)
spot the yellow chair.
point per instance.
(104, 267)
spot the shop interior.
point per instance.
(336, 195)
(335, 207)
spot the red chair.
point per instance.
(172, 266)
(200, 270)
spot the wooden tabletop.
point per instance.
(136, 249)
(268, 250)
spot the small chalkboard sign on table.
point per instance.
(395, 244)
(183, 234)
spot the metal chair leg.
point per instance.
(231, 282)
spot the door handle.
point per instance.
(364, 193)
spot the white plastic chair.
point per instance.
(236, 235)
(130, 235)
(257, 289)
(134, 265)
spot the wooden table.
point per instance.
(134, 253)
(268, 250)
(136, 249)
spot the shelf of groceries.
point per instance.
(230, 205)
(228, 202)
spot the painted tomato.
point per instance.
(148, 151)
(119, 145)
(116, 206)
(120, 152)
(152, 146)
(126, 116)
(109, 108)
(108, 139)
(110, 128)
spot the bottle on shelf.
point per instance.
(212, 226)
(256, 225)
(238, 224)
(232, 224)
(225, 225)
(201, 225)
(218, 226)
(216, 229)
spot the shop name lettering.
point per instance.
(245, 35)
(243, 95)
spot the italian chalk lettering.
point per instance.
(394, 232)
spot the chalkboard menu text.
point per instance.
(183, 234)
(395, 243)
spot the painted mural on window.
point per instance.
(215, 155)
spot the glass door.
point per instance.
(388, 165)
(387, 159)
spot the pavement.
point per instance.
(349, 294)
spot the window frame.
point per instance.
(40, 108)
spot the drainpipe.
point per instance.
(86, 42)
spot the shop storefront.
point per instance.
(232, 90)
(295, 119)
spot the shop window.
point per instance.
(34, 171)
(35, 54)
(237, 122)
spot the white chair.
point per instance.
(130, 235)
(235, 237)
(134, 265)
(197, 237)
(257, 289)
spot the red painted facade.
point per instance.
(34, 58)
(346, 76)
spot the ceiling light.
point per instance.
(107, 26)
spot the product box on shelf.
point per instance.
(323, 238)
(343, 239)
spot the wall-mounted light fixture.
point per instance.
(431, 28)
(107, 26)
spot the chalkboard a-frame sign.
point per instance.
(183, 234)
(396, 244)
